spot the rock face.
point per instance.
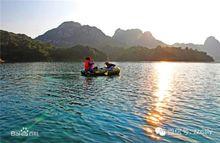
(135, 37)
(71, 33)
(211, 46)
(129, 37)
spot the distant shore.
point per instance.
(111, 61)
(21, 48)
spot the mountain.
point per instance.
(77, 53)
(72, 41)
(21, 48)
(163, 54)
(71, 33)
(211, 46)
(199, 47)
(135, 37)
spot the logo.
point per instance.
(24, 132)
(160, 131)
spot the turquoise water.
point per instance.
(148, 102)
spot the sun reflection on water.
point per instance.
(155, 118)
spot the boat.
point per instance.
(102, 72)
(1, 61)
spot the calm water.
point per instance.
(148, 102)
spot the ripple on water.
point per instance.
(53, 99)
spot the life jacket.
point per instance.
(86, 65)
(91, 64)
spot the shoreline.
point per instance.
(113, 61)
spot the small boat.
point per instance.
(102, 72)
(1, 61)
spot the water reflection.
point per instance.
(87, 81)
(163, 73)
(60, 103)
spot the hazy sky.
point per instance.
(169, 20)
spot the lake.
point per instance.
(148, 102)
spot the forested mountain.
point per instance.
(211, 46)
(77, 53)
(162, 54)
(70, 34)
(135, 37)
(21, 48)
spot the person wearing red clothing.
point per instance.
(88, 64)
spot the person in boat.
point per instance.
(88, 65)
(109, 66)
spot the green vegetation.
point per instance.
(162, 54)
(21, 48)
(77, 53)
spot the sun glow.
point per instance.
(155, 118)
(164, 75)
(169, 20)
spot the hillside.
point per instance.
(163, 54)
(21, 48)
(135, 37)
(70, 34)
(77, 53)
(211, 46)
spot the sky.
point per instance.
(171, 21)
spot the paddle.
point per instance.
(106, 73)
